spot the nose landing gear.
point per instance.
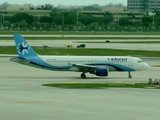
(129, 74)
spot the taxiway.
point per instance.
(22, 95)
(89, 44)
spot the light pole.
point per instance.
(1, 20)
(62, 19)
(77, 16)
(38, 18)
(153, 20)
(117, 19)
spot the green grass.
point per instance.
(100, 85)
(8, 50)
(78, 33)
(84, 51)
(98, 52)
(85, 38)
(66, 38)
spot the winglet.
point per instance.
(24, 50)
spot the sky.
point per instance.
(64, 2)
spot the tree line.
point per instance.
(74, 21)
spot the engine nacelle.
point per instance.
(101, 72)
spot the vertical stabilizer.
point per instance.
(24, 50)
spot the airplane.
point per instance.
(97, 65)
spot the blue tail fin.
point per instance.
(24, 50)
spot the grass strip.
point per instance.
(82, 38)
(78, 33)
(101, 85)
(84, 51)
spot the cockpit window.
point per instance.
(139, 61)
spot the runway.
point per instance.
(74, 43)
(22, 95)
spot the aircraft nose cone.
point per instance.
(146, 66)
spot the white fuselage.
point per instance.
(110, 62)
(66, 63)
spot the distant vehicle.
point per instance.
(69, 46)
(97, 65)
(45, 46)
(107, 41)
(81, 46)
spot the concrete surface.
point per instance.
(22, 96)
(64, 43)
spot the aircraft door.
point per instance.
(94, 61)
(130, 62)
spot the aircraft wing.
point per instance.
(86, 68)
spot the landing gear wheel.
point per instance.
(129, 75)
(83, 76)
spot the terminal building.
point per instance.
(12, 10)
(135, 10)
(117, 12)
(143, 5)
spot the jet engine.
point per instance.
(101, 72)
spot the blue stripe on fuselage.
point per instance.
(118, 67)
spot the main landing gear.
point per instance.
(83, 75)
(129, 74)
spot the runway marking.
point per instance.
(30, 81)
(33, 102)
(74, 82)
(120, 81)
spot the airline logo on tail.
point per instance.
(23, 48)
